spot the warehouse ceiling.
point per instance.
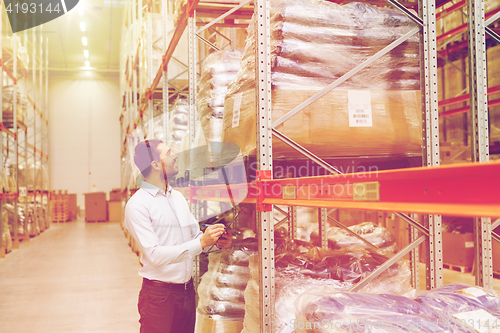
(103, 21)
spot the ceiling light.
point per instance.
(80, 10)
(87, 64)
(82, 26)
(86, 53)
(84, 41)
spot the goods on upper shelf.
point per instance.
(219, 70)
(179, 123)
(314, 42)
(451, 308)
(8, 105)
(8, 51)
(6, 238)
(9, 184)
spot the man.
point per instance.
(169, 238)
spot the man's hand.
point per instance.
(225, 240)
(211, 235)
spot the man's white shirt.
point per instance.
(166, 232)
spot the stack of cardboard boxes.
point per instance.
(115, 205)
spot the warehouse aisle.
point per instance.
(76, 277)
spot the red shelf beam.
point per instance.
(465, 109)
(8, 195)
(448, 11)
(463, 27)
(458, 190)
(465, 97)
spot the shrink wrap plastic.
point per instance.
(313, 43)
(221, 291)
(8, 51)
(378, 236)
(297, 271)
(6, 239)
(220, 69)
(327, 310)
(179, 123)
(339, 238)
(9, 184)
(8, 104)
(458, 298)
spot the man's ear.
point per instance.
(155, 165)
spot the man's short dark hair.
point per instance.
(145, 153)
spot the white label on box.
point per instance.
(472, 292)
(479, 320)
(236, 109)
(44, 200)
(23, 191)
(469, 244)
(360, 108)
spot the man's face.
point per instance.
(169, 161)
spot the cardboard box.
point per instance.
(324, 127)
(115, 195)
(209, 325)
(96, 207)
(496, 256)
(458, 249)
(72, 209)
(114, 211)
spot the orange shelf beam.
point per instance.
(468, 190)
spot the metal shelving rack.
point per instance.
(138, 101)
(434, 189)
(29, 139)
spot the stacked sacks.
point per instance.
(221, 291)
(220, 69)
(313, 43)
(6, 238)
(299, 267)
(179, 123)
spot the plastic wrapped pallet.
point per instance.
(6, 238)
(8, 104)
(221, 306)
(219, 70)
(179, 123)
(451, 308)
(297, 272)
(375, 112)
(322, 310)
(376, 235)
(8, 51)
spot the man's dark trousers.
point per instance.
(167, 308)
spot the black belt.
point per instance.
(161, 284)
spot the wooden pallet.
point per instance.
(458, 268)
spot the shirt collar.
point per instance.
(153, 190)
